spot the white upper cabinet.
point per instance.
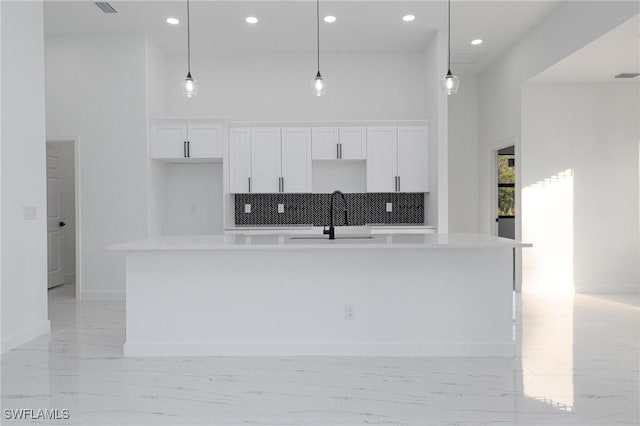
(205, 140)
(296, 159)
(265, 160)
(177, 139)
(270, 160)
(339, 143)
(239, 160)
(169, 140)
(325, 142)
(413, 159)
(353, 143)
(382, 164)
(398, 159)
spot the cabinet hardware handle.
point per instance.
(249, 178)
(398, 183)
(397, 188)
(184, 149)
(338, 151)
(340, 146)
(188, 149)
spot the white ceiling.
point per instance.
(617, 51)
(286, 26)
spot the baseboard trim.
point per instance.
(102, 295)
(23, 337)
(149, 349)
(616, 288)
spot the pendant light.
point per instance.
(319, 84)
(450, 82)
(189, 85)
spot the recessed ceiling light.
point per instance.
(408, 18)
(329, 19)
(476, 41)
(251, 20)
(173, 21)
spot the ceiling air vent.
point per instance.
(627, 75)
(105, 7)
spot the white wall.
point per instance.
(463, 156)
(591, 129)
(96, 91)
(156, 64)
(437, 111)
(571, 26)
(24, 242)
(277, 87)
(194, 199)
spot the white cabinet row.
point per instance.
(273, 159)
(270, 159)
(182, 139)
(397, 159)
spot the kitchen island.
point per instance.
(289, 295)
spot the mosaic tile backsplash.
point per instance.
(313, 209)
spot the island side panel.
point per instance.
(407, 302)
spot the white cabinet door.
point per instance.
(169, 140)
(296, 159)
(265, 159)
(381, 159)
(413, 158)
(205, 140)
(353, 143)
(324, 142)
(239, 160)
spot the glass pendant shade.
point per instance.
(450, 83)
(319, 85)
(189, 87)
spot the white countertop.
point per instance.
(315, 241)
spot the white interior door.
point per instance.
(296, 159)
(413, 158)
(381, 159)
(54, 218)
(266, 166)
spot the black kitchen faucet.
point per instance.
(332, 230)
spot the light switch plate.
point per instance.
(29, 212)
(389, 207)
(280, 208)
(247, 208)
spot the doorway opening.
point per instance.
(506, 192)
(62, 235)
(505, 199)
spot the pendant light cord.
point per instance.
(449, 39)
(188, 39)
(318, 30)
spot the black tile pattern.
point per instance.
(305, 209)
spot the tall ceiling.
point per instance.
(615, 52)
(289, 26)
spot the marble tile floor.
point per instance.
(577, 364)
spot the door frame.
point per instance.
(76, 170)
(493, 194)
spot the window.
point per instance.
(506, 185)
